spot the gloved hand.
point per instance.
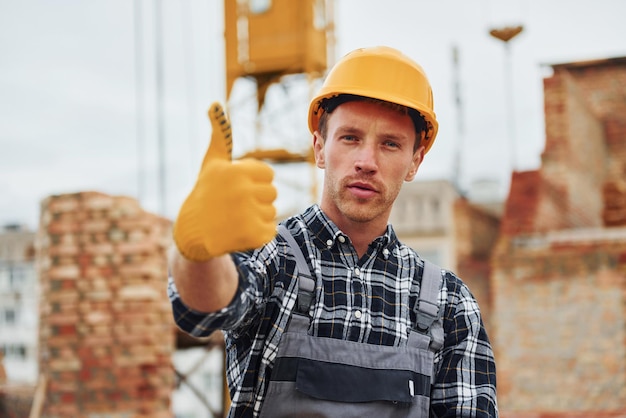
(231, 206)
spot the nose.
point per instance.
(366, 159)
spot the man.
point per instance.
(333, 316)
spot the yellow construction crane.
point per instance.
(269, 39)
(266, 39)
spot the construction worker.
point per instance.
(332, 316)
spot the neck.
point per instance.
(361, 234)
(361, 239)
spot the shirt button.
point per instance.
(357, 314)
(386, 252)
(341, 239)
(329, 243)
(357, 272)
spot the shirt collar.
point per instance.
(325, 233)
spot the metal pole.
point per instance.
(505, 35)
(139, 102)
(459, 118)
(508, 71)
(159, 101)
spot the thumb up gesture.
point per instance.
(231, 205)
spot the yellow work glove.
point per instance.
(231, 206)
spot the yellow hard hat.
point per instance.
(381, 73)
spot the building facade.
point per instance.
(19, 314)
(423, 218)
(458, 234)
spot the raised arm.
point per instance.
(230, 209)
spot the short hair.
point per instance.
(331, 103)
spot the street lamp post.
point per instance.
(506, 34)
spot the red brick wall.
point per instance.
(561, 322)
(574, 159)
(520, 211)
(585, 148)
(558, 275)
(614, 193)
(106, 335)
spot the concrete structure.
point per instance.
(432, 218)
(423, 218)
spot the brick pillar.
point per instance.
(106, 336)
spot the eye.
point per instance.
(391, 144)
(349, 138)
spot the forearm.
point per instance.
(206, 286)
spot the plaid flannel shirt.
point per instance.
(382, 287)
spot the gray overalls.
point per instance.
(327, 377)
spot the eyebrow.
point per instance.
(347, 129)
(353, 130)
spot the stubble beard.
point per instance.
(361, 210)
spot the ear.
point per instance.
(418, 157)
(318, 149)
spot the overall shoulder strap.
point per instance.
(428, 321)
(306, 281)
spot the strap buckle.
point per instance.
(424, 320)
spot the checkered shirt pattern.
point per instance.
(383, 286)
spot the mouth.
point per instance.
(362, 190)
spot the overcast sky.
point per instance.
(73, 108)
